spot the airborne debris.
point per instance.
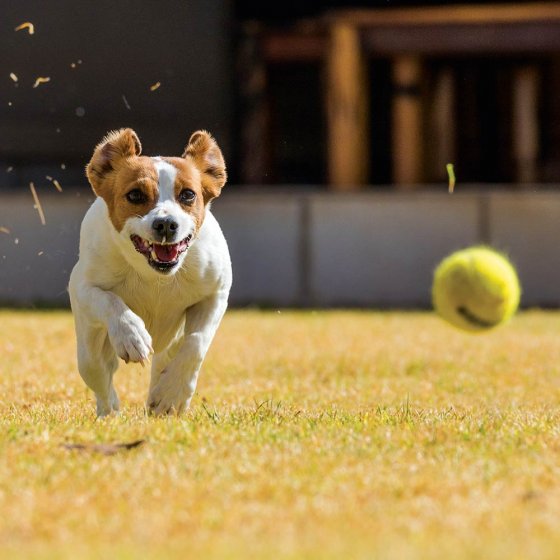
(155, 86)
(54, 182)
(4, 230)
(26, 25)
(41, 80)
(10, 169)
(451, 175)
(13, 77)
(37, 203)
(126, 103)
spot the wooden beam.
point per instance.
(407, 122)
(526, 123)
(293, 46)
(463, 39)
(347, 110)
(449, 15)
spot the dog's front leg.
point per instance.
(172, 388)
(105, 328)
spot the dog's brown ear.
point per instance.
(115, 147)
(203, 150)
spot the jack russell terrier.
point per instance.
(154, 271)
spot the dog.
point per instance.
(154, 272)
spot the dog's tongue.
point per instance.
(166, 253)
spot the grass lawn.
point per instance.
(312, 435)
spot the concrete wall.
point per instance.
(319, 249)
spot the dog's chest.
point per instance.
(161, 305)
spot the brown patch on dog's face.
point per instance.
(188, 190)
(127, 182)
(134, 191)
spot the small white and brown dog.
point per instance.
(154, 271)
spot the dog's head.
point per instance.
(156, 204)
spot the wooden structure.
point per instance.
(344, 40)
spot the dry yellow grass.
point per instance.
(312, 435)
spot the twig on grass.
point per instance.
(104, 448)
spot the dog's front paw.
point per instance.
(170, 395)
(129, 337)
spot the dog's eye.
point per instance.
(136, 196)
(186, 196)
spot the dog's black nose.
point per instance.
(165, 227)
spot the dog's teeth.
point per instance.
(154, 256)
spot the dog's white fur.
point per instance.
(124, 308)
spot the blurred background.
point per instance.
(337, 120)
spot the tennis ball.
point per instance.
(476, 289)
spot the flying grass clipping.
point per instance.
(26, 25)
(54, 182)
(41, 80)
(38, 206)
(451, 177)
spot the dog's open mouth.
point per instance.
(161, 256)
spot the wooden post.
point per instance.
(550, 170)
(441, 148)
(347, 110)
(254, 151)
(526, 123)
(407, 121)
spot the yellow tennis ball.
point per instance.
(476, 289)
